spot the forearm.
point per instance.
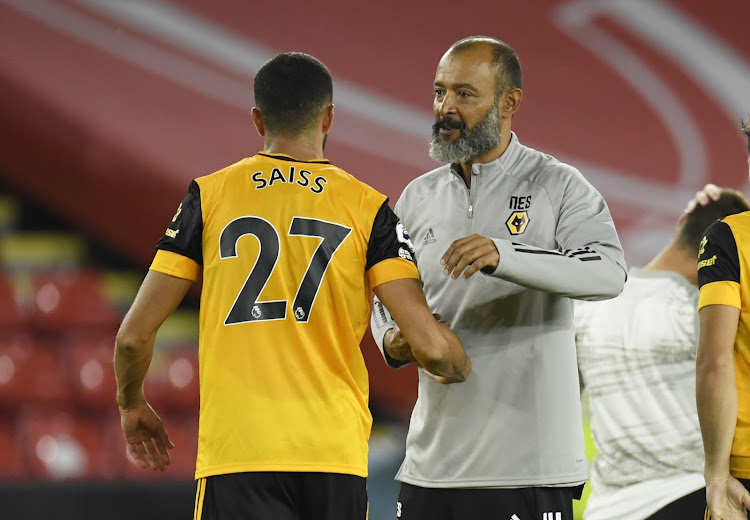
(432, 344)
(158, 297)
(716, 397)
(132, 360)
(715, 386)
(437, 348)
(587, 274)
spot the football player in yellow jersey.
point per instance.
(289, 247)
(723, 363)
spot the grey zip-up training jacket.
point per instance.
(516, 421)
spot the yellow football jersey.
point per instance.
(289, 252)
(724, 278)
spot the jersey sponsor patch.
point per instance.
(718, 258)
(403, 236)
(708, 262)
(177, 213)
(403, 253)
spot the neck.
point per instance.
(303, 148)
(487, 157)
(676, 259)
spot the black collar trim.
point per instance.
(292, 159)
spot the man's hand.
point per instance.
(397, 347)
(146, 437)
(708, 193)
(472, 253)
(727, 499)
(443, 380)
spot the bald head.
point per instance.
(504, 61)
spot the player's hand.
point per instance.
(727, 499)
(703, 197)
(472, 253)
(444, 380)
(147, 439)
(397, 347)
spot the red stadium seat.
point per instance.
(172, 383)
(71, 302)
(31, 374)
(63, 446)
(12, 466)
(90, 372)
(12, 320)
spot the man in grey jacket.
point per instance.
(507, 443)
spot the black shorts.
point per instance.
(533, 503)
(689, 507)
(745, 482)
(281, 496)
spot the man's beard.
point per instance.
(472, 143)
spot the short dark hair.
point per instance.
(746, 131)
(695, 224)
(504, 60)
(291, 90)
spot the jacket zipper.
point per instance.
(472, 202)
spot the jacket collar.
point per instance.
(498, 165)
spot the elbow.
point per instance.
(433, 359)
(129, 343)
(441, 360)
(462, 373)
(466, 368)
(434, 355)
(612, 290)
(707, 367)
(608, 287)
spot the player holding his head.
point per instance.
(723, 363)
(636, 355)
(289, 247)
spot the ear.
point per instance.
(327, 120)
(510, 102)
(258, 120)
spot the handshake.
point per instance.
(398, 348)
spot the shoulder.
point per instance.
(352, 190)
(424, 186)
(556, 170)
(220, 176)
(739, 222)
(427, 180)
(543, 168)
(720, 232)
(563, 184)
(349, 179)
